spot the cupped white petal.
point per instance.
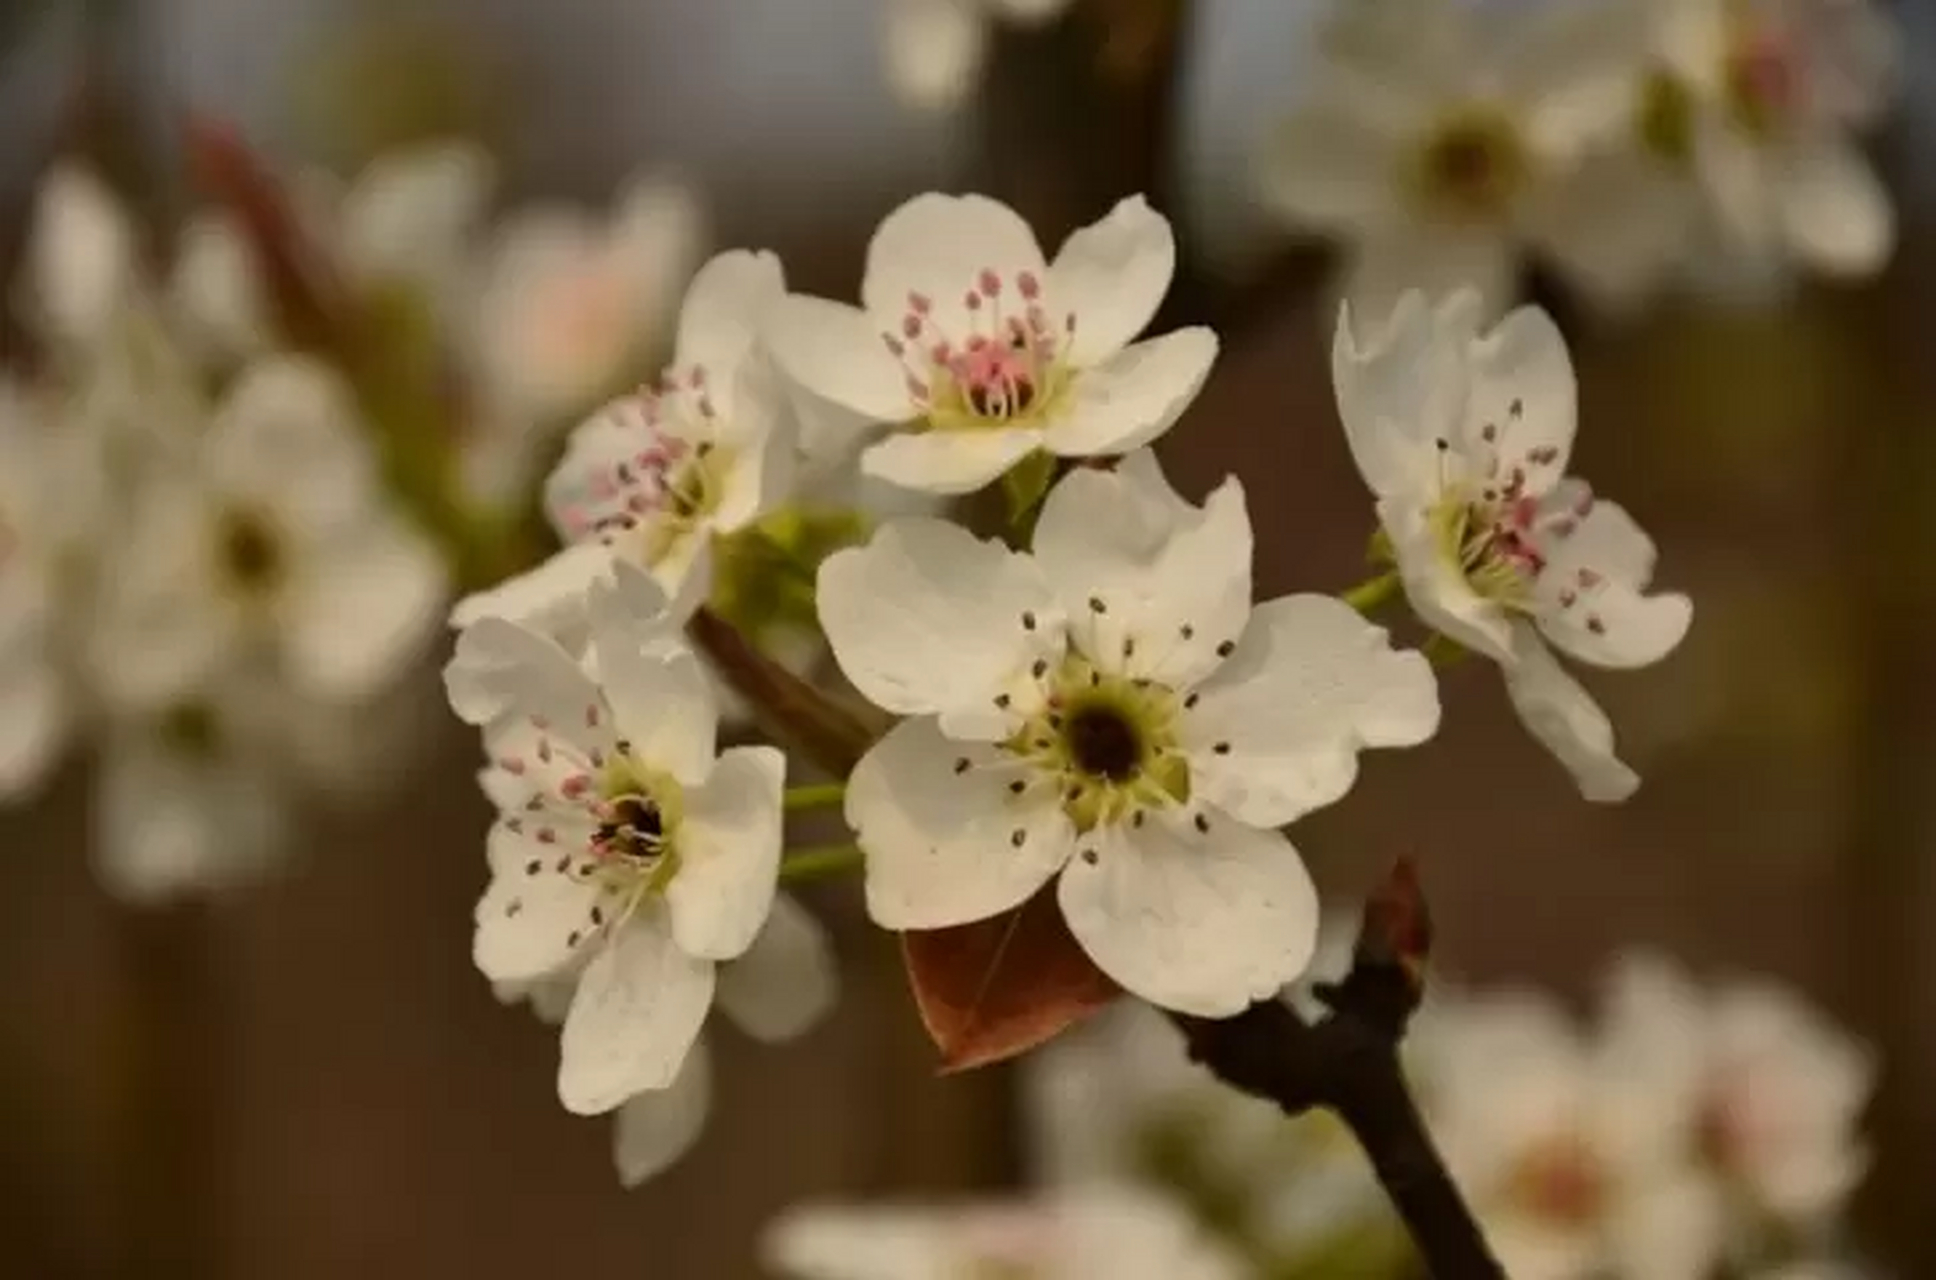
(638, 1010)
(1566, 720)
(1275, 732)
(763, 434)
(786, 981)
(660, 696)
(535, 914)
(1592, 593)
(726, 309)
(1402, 385)
(652, 1130)
(502, 669)
(936, 247)
(81, 261)
(934, 50)
(1436, 586)
(949, 462)
(1134, 396)
(413, 215)
(837, 352)
(216, 292)
(926, 618)
(1523, 401)
(1112, 275)
(947, 842)
(1173, 580)
(1834, 210)
(729, 854)
(1201, 918)
(549, 598)
(361, 613)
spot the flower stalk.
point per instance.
(820, 795)
(1374, 593)
(820, 862)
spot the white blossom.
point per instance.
(1441, 142)
(1769, 1092)
(625, 842)
(654, 477)
(983, 352)
(268, 539)
(82, 272)
(36, 700)
(1748, 111)
(1076, 1235)
(935, 49)
(1463, 437)
(1109, 712)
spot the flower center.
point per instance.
(637, 816)
(1666, 118)
(1489, 540)
(1562, 1183)
(250, 552)
(1471, 166)
(1106, 743)
(190, 729)
(1764, 78)
(1006, 365)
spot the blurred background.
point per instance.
(307, 1078)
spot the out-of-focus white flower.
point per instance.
(216, 297)
(985, 353)
(1463, 437)
(1750, 107)
(1769, 1091)
(1111, 713)
(1077, 1235)
(35, 701)
(412, 220)
(935, 48)
(1573, 1171)
(272, 538)
(1441, 142)
(573, 306)
(654, 477)
(82, 271)
(625, 842)
(783, 985)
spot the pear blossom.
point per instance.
(936, 48)
(412, 220)
(626, 846)
(1463, 438)
(1110, 713)
(1441, 142)
(1768, 1091)
(654, 477)
(271, 539)
(82, 271)
(980, 352)
(1748, 110)
(778, 989)
(1075, 1235)
(36, 703)
(572, 307)
(1574, 1166)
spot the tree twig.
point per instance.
(1348, 1062)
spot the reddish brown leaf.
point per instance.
(1397, 925)
(229, 173)
(999, 987)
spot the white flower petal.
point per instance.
(1835, 211)
(1437, 588)
(934, 50)
(413, 215)
(942, 840)
(1618, 226)
(163, 623)
(652, 1130)
(1592, 599)
(762, 432)
(549, 598)
(1112, 275)
(1133, 397)
(786, 981)
(949, 462)
(729, 854)
(533, 917)
(927, 618)
(1673, 1226)
(653, 245)
(503, 669)
(1198, 921)
(936, 247)
(1173, 579)
(81, 257)
(288, 438)
(726, 309)
(33, 727)
(1402, 386)
(1522, 393)
(1566, 720)
(661, 699)
(1276, 730)
(216, 291)
(1329, 166)
(638, 1010)
(357, 619)
(836, 352)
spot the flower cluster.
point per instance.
(1622, 142)
(1693, 1130)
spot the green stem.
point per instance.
(823, 795)
(1374, 593)
(820, 862)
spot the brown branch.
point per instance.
(1347, 1062)
(788, 708)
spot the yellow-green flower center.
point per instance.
(1666, 118)
(1108, 743)
(1486, 541)
(249, 550)
(998, 361)
(635, 844)
(1471, 167)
